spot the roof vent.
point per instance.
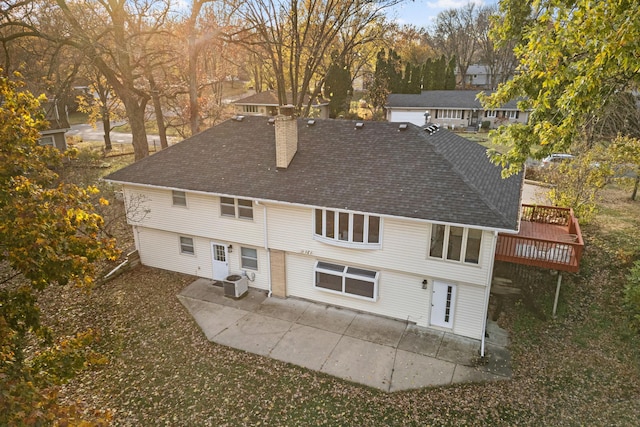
(311, 122)
(359, 125)
(402, 126)
(432, 128)
(238, 118)
(271, 120)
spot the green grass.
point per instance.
(78, 118)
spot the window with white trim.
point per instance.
(451, 243)
(250, 108)
(449, 114)
(490, 113)
(237, 208)
(186, 245)
(179, 198)
(347, 227)
(511, 114)
(46, 140)
(345, 280)
(249, 258)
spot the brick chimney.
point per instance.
(286, 136)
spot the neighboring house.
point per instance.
(266, 104)
(58, 125)
(374, 216)
(479, 76)
(453, 109)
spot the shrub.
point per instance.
(632, 295)
(486, 124)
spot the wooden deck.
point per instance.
(549, 237)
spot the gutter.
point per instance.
(266, 244)
(487, 294)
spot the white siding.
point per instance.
(161, 249)
(402, 259)
(404, 247)
(399, 295)
(201, 216)
(469, 311)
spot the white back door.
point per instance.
(443, 301)
(220, 256)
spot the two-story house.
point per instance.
(453, 109)
(385, 218)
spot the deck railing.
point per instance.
(561, 252)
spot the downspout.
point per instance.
(487, 293)
(266, 244)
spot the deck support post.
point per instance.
(555, 301)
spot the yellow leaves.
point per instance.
(103, 201)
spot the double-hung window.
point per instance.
(179, 198)
(249, 258)
(490, 113)
(345, 280)
(46, 140)
(511, 114)
(347, 228)
(186, 246)
(237, 208)
(455, 243)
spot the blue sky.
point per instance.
(422, 13)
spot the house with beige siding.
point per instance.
(452, 109)
(266, 104)
(386, 218)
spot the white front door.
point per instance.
(443, 301)
(220, 261)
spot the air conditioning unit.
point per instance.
(235, 286)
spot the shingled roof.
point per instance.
(270, 98)
(377, 168)
(454, 99)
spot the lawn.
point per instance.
(582, 368)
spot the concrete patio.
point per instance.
(383, 353)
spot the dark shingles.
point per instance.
(270, 98)
(465, 99)
(377, 169)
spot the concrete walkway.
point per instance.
(386, 354)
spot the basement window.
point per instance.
(345, 280)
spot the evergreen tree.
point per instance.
(337, 86)
(450, 78)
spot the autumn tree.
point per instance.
(49, 235)
(296, 38)
(574, 56)
(115, 36)
(500, 60)
(101, 104)
(456, 32)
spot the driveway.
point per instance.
(535, 194)
(88, 133)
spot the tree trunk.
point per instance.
(106, 126)
(157, 108)
(135, 113)
(194, 112)
(635, 188)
